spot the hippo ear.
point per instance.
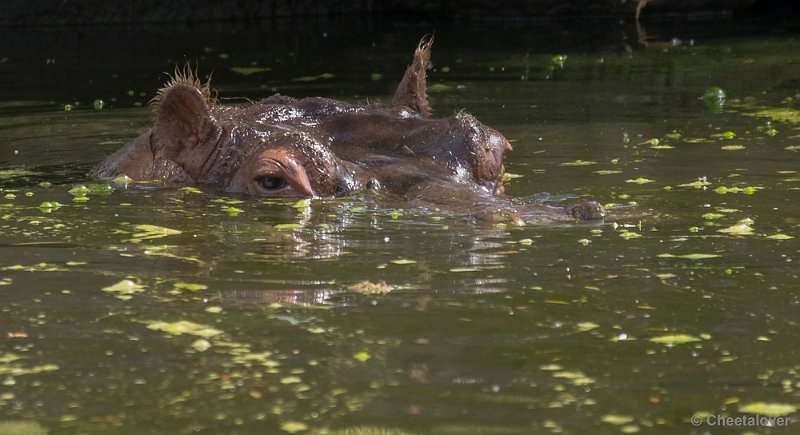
(184, 126)
(412, 89)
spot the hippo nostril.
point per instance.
(271, 183)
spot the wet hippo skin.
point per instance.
(318, 147)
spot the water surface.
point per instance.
(131, 309)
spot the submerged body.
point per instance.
(283, 147)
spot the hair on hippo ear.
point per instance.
(187, 76)
(412, 90)
(184, 127)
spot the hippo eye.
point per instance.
(271, 183)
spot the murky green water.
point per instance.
(350, 315)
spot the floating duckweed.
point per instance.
(438, 88)
(579, 163)
(201, 345)
(302, 204)
(232, 211)
(740, 229)
(768, 409)
(184, 327)
(559, 60)
(190, 189)
(627, 235)
(463, 269)
(403, 261)
(280, 227)
(92, 189)
(722, 190)
(617, 419)
(149, 232)
(586, 326)
(778, 114)
(550, 367)
(68, 107)
(780, 236)
(712, 216)
(294, 426)
(190, 286)
(640, 180)
(122, 180)
(376, 77)
(733, 147)
(249, 70)
(607, 172)
(98, 104)
(697, 256)
(371, 288)
(362, 356)
(576, 377)
(674, 339)
(323, 76)
(124, 287)
(724, 135)
(214, 310)
(50, 206)
(696, 184)
(291, 380)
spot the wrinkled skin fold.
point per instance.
(318, 147)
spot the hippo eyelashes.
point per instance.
(285, 147)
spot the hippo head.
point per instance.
(285, 147)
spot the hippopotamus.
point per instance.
(319, 147)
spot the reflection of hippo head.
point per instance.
(282, 146)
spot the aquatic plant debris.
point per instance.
(280, 227)
(50, 206)
(149, 232)
(124, 289)
(579, 163)
(640, 180)
(697, 256)
(674, 339)
(294, 426)
(768, 409)
(92, 189)
(190, 286)
(617, 419)
(403, 261)
(371, 288)
(780, 236)
(249, 70)
(201, 345)
(438, 88)
(362, 356)
(740, 229)
(184, 327)
(323, 76)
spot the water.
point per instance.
(349, 315)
